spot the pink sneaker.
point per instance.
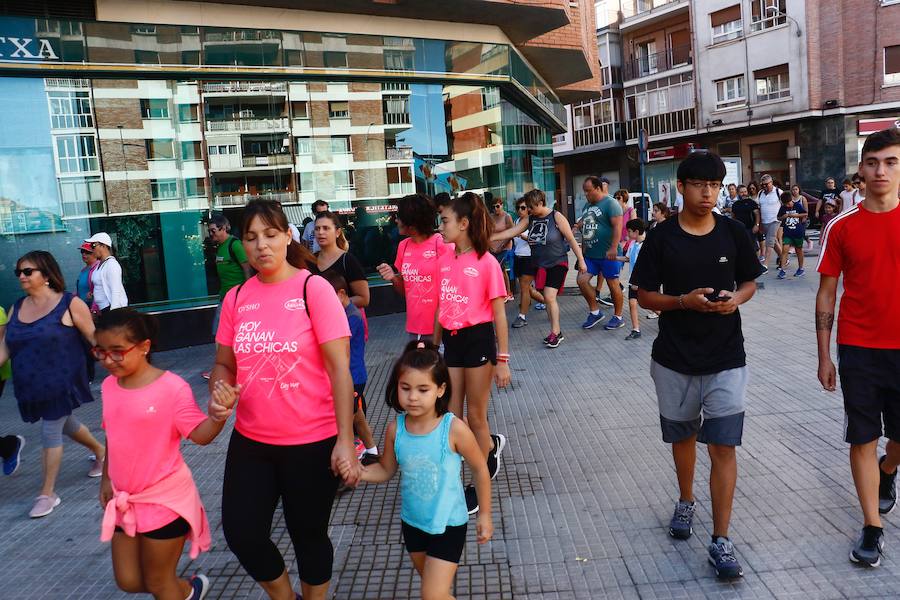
(360, 448)
(97, 469)
(44, 505)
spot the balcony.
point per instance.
(267, 160)
(399, 153)
(241, 199)
(658, 63)
(595, 135)
(243, 125)
(665, 124)
(610, 76)
(396, 118)
(245, 87)
(56, 82)
(642, 12)
(394, 86)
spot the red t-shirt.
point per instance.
(865, 247)
(418, 265)
(286, 393)
(468, 285)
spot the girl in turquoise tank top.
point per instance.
(428, 444)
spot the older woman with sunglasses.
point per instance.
(106, 279)
(45, 339)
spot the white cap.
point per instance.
(102, 238)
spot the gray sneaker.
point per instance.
(519, 322)
(887, 489)
(869, 547)
(680, 527)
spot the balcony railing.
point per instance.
(663, 124)
(248, 124)
(394, 86)
(267, 160)
(240, 199)
(652, 64)
(399, 153)
(244, 86)
(396, 118)
(242, 35)
(56, 82)
(605, 133)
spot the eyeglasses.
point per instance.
(522, 208)
(27, 271)
(114, 355)
(711, 185)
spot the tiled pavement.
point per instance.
(582, 498)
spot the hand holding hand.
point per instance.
(345, 454)
(224, 397)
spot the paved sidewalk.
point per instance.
(582, 499)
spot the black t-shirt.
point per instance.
(691, 342)
(349, 268)
(742, 210)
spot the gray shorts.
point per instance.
(771, 231)
(709, 406)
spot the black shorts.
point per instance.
(176, 529)
(470, 347)
(359, 398)
(870, 380)
(632, 292)
(555, 276)
(522, 265)
(445, 546)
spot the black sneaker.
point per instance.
(369, 459)
(554, 339)
(493, 458)
(723, 560)
(681, 525)
(607, 301)
(887, 489)
(869, 547)
(471, 499)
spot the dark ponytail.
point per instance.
(272, 215)
(471, 207)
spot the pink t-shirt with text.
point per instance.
(144, 428)
(418, 265)
(286, 393)
(468, 285)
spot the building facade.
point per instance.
(148, 116)
(774, 86)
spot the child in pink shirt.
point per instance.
(152, 504)
(471, 320)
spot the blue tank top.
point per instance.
(431, 491)
(49, 364)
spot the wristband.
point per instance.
(502, 355)
(681, 302)
(503, 360)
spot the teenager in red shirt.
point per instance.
(868, 344)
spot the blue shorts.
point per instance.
(610, 269)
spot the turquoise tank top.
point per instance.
(431, 491)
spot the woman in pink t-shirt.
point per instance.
(284, 339)
(415, 272)
(152, 504)
(471, 320)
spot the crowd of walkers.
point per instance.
(290, 371)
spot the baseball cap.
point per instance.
(100, 238)
(86, 246)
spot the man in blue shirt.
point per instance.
(601, 224)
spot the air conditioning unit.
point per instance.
(793, 152)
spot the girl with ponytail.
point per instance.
(471, 321)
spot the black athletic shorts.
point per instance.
(445, 546)
(870, 380)
(359, 398)
(176, 529)
(470, 347)
(632, 292)
(556, 276)
(522, 265)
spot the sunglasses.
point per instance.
(497, 205)
(114, 355)
(28, 271)
(521, 208)
(83, 251)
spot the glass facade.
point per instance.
(262, 114)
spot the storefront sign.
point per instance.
(28, 48)
(667, 153)
(870, 126)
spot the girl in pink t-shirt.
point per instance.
(415, 271)
(284, 339)
(152, 504)
(470, 311)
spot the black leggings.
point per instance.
(256, 476)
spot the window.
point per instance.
(190, 57)
(154, 109)
(766, 14)
(81, 190)
(730, 92)
(222, 149)
(144, 29)
(646, 58)
(726, 24)
(601, 12)
(163, 189)
(398, 60)
(340, 144)
(892, 64)
(69, 110)
(76, 153)
(400, 181)
(194, 187)
(339, 110)
(146, 57)
(772, 83)
(306, 182)
(293, 58)
(343, 180)
(335, 60)
(300, 109)
(582, 116)
(188, 113)
(191, 151)
(160, 149)
(490, 97)
(396, 110)
(304, 145)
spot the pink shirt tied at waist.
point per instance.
(178, 493)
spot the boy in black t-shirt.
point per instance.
(705, 266)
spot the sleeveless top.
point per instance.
(49, 367)
(548, 246)
(431, 491)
